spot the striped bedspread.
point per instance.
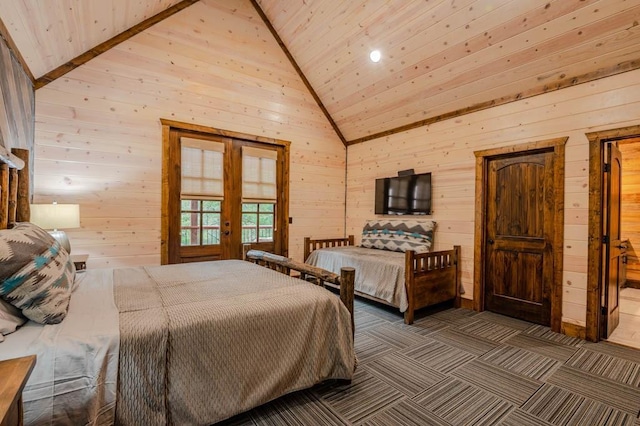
(202, 342)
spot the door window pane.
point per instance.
(190, 229)
(257, 222)
(249, 228)
(210, 228)
(266, 219)
(212, 206)
(190, 205)
(200, 222)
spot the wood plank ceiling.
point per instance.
(440, 58)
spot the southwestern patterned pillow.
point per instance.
(398, 235)
(10, 319)
(36, 274)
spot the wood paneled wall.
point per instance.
(17, 102)
(446, 149)
(630, 208)
(99, 134)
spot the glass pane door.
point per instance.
(222, 194)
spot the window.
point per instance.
(200, 222)
(257, 222)
(258, 194)
(202, 191)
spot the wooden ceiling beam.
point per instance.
(540, 90)
(284, 48)
(112, 42)
(13, 48)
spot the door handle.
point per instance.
(490, 241)
(226, 232)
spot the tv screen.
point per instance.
(404, 195)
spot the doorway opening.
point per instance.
(222, 191)
(520, 231)
(613, 304)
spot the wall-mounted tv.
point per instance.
(410, 194)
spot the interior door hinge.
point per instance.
(605, 239)
(607, 167)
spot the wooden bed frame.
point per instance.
(430, 278)
(14, 207)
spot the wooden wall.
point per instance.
(17, 102)
(446, 149)
(630, 208)
(99, 135)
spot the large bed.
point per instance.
(179, 344)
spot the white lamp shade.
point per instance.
(56, 216)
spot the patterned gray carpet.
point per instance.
(459, 367)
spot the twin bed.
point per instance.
(393, 264)
(174, 344)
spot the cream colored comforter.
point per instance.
(202, 342)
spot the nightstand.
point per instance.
(80, 261)
(15, 373)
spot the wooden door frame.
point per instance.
(283, 191)
(594, 259)
(557, 146)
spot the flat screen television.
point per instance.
(404, 195)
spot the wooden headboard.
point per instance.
(14, 186)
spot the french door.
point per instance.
(221, 194)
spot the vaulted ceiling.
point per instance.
(440, 58)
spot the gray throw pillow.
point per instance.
(36, 273)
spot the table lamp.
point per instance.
(54, 216)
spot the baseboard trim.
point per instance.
(466, 303)
(574, 330)
(632, 284)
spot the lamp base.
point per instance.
(61, 237)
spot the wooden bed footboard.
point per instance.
(430, 278)
(344, 281)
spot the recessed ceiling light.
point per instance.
(375, 55)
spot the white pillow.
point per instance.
(10, 319)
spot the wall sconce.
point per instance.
(55, 216)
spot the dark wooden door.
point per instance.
(612, 261)
(519, 228)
